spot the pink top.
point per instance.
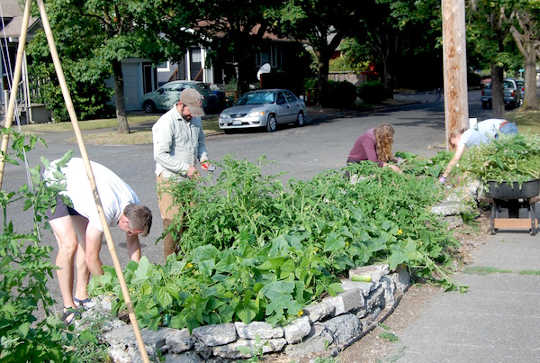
(364, 149)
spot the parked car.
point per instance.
(163, 98)
(512, 94)
(264, 108)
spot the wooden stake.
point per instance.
(456, 105)
(91, 178)
(14, 86)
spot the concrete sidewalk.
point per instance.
(497, 320)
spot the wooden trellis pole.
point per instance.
(82, 148)
(14, 86)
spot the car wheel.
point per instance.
(271, 123)
(149, 107)
(484, 105)
(300, 119)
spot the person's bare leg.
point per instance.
(93, 247)
(83, 274)
(66, 237)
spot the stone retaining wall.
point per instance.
(324, 328)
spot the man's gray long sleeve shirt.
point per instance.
(178, 144)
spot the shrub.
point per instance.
(373, 92)
(339, 94)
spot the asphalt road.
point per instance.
(299, 152)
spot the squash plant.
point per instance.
(255, 249)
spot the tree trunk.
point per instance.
(123, 126)
(497, 90)
(530, 101)
(323, 67)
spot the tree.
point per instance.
(488, 33)
(234, 30)
(94, 36)
(525, 30)
(321, 24)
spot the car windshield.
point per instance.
(508, 84)
(257, 98)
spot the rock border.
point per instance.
(326, 327)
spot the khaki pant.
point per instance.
(168, 211)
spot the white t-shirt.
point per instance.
(115, 194)
(483, 134)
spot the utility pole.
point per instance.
(456, 106)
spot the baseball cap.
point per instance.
(193, 99)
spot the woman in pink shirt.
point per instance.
(374, 145)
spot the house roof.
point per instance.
(12, 16)
(253, 31)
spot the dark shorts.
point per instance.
(61, 210)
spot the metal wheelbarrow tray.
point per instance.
(513, 196)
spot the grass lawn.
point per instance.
(527, 121)
(102, 131)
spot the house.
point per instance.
(11, 18)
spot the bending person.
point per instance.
(121, 208)
(484, 133)
(375, 145)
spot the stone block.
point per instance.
(375, 271)
(177, 341)
(124, 338)
(187, 357)
(247, 348)
(401, 279)
(453, 221)
(344, 329)
(389, 290)
(365, 287)
(319, 311)
(347, 301)
(297, 330)
(448, 208)
(258, 329)
(375, 299)
(213, 335)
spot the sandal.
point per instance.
(70, 314)
(84, 303)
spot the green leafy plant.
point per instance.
(25, 268)
(507, 159)
(259, 250)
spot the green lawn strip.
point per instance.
(529, 272)
(527, 120)
(485, 270)
(99, 132)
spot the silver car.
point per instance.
(163, 98)
(264, 108)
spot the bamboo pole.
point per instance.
(91, 178)
(456, 105)
(14, 86)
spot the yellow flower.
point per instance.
(301, 312)
(400, 232)
(189, 265)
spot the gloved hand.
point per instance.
(205, 164)
(442, 180)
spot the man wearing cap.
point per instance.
(178, 139)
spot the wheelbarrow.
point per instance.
(513, 196)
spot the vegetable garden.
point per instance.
(259, 250)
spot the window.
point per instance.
(290, 97)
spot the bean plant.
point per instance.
(255, 249)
